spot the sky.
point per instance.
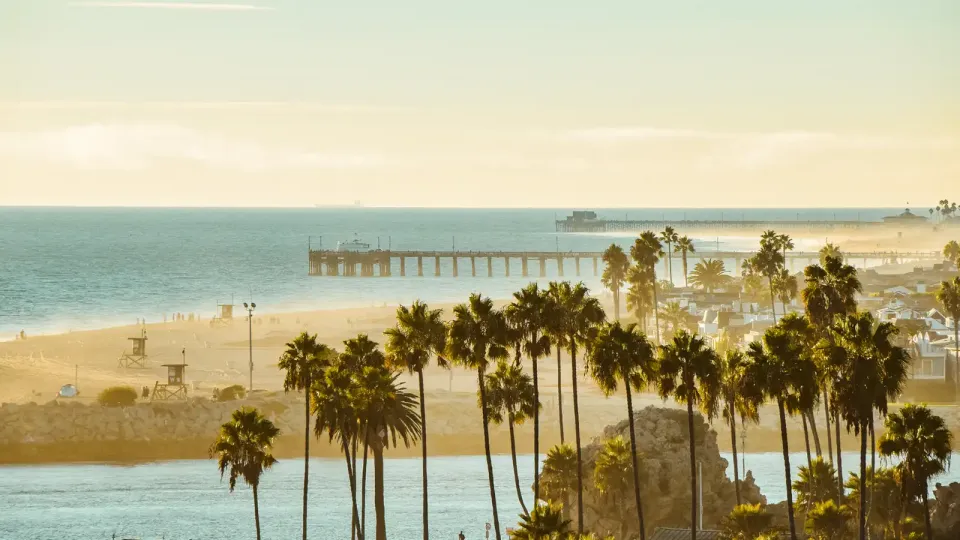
(499, 103)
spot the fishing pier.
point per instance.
(587, 221)
(387, 263)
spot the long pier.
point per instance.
(608, 225)
(383, 263)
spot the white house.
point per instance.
(930, 360)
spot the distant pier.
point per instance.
(587, 221)
(387, 263)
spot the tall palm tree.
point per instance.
(922, 441)
(646, 252)
(559, 477)
(555, 330)
(676, 318)
(768, 262)
(871, 371)
(615, 274)
(477, 336)
(709, 274)
(244, 448)
(785, 243)
(689, 372)
(613, 477)
(949, 297)
(639, 295)
(734, 402)
(829, 250)
(785, 287)
(669, 237)
(778, 369)
(530, 314)
(951, 251)
(582, 316)
(510, 399)
(419, 336)
(304, 362)
(545, 522)
(830, 290)
(684, 246)
(389, 413)
(622, 354)
(336, 408)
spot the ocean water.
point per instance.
(83, 268)
(182, 500)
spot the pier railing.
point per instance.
(383, 263)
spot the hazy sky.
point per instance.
(558, 103)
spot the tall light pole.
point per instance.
(250, 307)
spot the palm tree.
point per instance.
(244, 447)
(389, 413)
(420, 335)
(510, 398)
(887, 503)
(949, 298)
(622, 354)
(304, 362)
(779, 368)
(827, 521)
(336, 408)
(872, 371)
(734, 402)
(785, 287)
(785, 243)
(615, 274)
(639, 295)
(816, 483)
(559, 474)
(582, 315)
(951, 251)
(709, 274)
(530, 314)
(684, 246)
(669, 237)
(646, 252)
(546, 522)
(477, 335)
(675, 318)
(829, 250)
(689, 372)
(922, 441)
(768, 262)
(613, 477)
(747, 522)
(555, 330)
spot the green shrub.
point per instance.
(230, 393)
(117, 396)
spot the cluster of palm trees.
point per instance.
(830, 353)
(944, 209)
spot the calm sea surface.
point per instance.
(186, 500)
(67, 268)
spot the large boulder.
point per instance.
(664, 459)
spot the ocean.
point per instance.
(84, 268)
(185, 500)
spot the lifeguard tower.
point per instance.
(176, 386)
(137, 357)
(224, 315)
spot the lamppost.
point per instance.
(250, 307)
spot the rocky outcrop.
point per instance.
(664, 459)
(945, 511)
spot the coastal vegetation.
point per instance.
(828, 355)
(117, 396)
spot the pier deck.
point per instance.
(387, 263)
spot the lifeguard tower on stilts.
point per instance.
(137, 357)
(224, 315)
(176, 385)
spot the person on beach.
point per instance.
(461, 537)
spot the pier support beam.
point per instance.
(473, 266)
(577, 261)
(523, 267)
(560, 265)
(594, 267)
(543, 267)
(420, 266)
(456, 270)
(403, 266)
(489, 266)
(506, 263)
(436, 266)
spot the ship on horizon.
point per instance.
(356, 204)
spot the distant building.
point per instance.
(905, 218)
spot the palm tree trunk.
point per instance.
(685, 284)
(576, 430)
(873, 470)
(516, 474)
(616, 303)
(693, 471)
(363, 489)
(926, 512)
(353, 485)
(733, 446)
(636, 468)
(656, 310)
(786, 467)
(670, 262)
(813, 477)
(256, 510)
(306, 458)
(355, 520)
(536, 430)
(378, 492)
(826, 415)
(560, 392)
(773, 301)
(956, 354)
(863, 479)
(812, 420)
(836, 427)
(423, 449)
(486, 447)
